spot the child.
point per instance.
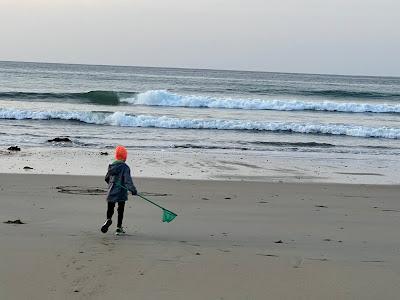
(119, 182)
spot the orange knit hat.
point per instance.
(121, 153)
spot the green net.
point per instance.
(168, 216)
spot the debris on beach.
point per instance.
(14, 148)
(81, 190)
(278, 242)
(18, 221)
(27, 168)
(104, 153)
(60, 139)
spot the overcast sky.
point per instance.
(310, 36)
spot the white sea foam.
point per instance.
(165, 98)
(122, 119)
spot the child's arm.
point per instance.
(107, 178)
(127, 179)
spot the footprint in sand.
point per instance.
(319, 259)
(224, 250)
(298, 262)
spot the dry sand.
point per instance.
(337, 241)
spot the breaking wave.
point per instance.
(166, 98)
(170, 99)
(122, 119)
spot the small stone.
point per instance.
(60, 139)
(18, 221)
(28, 168)
(278, 242)
(14, 148)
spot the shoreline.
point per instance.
(216, 181)
(210, 165)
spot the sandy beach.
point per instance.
(231, 240)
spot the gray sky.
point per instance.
(311, 36)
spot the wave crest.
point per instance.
(96, 97)
(169, 99)
(165, 98)
(122, 119)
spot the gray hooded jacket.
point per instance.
(119, 174)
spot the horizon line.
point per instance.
(202, 69)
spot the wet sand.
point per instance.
(211, 165)
(231, 240)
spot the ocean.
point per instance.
(197, 110)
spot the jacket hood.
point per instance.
(116, 167)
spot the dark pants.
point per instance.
(110, 211)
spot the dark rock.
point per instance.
(28, 168)
(18, 221)
(278, 242)
(60, 139)
(14, 148)
(269, 255)
(103, 153)
(197, 253)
